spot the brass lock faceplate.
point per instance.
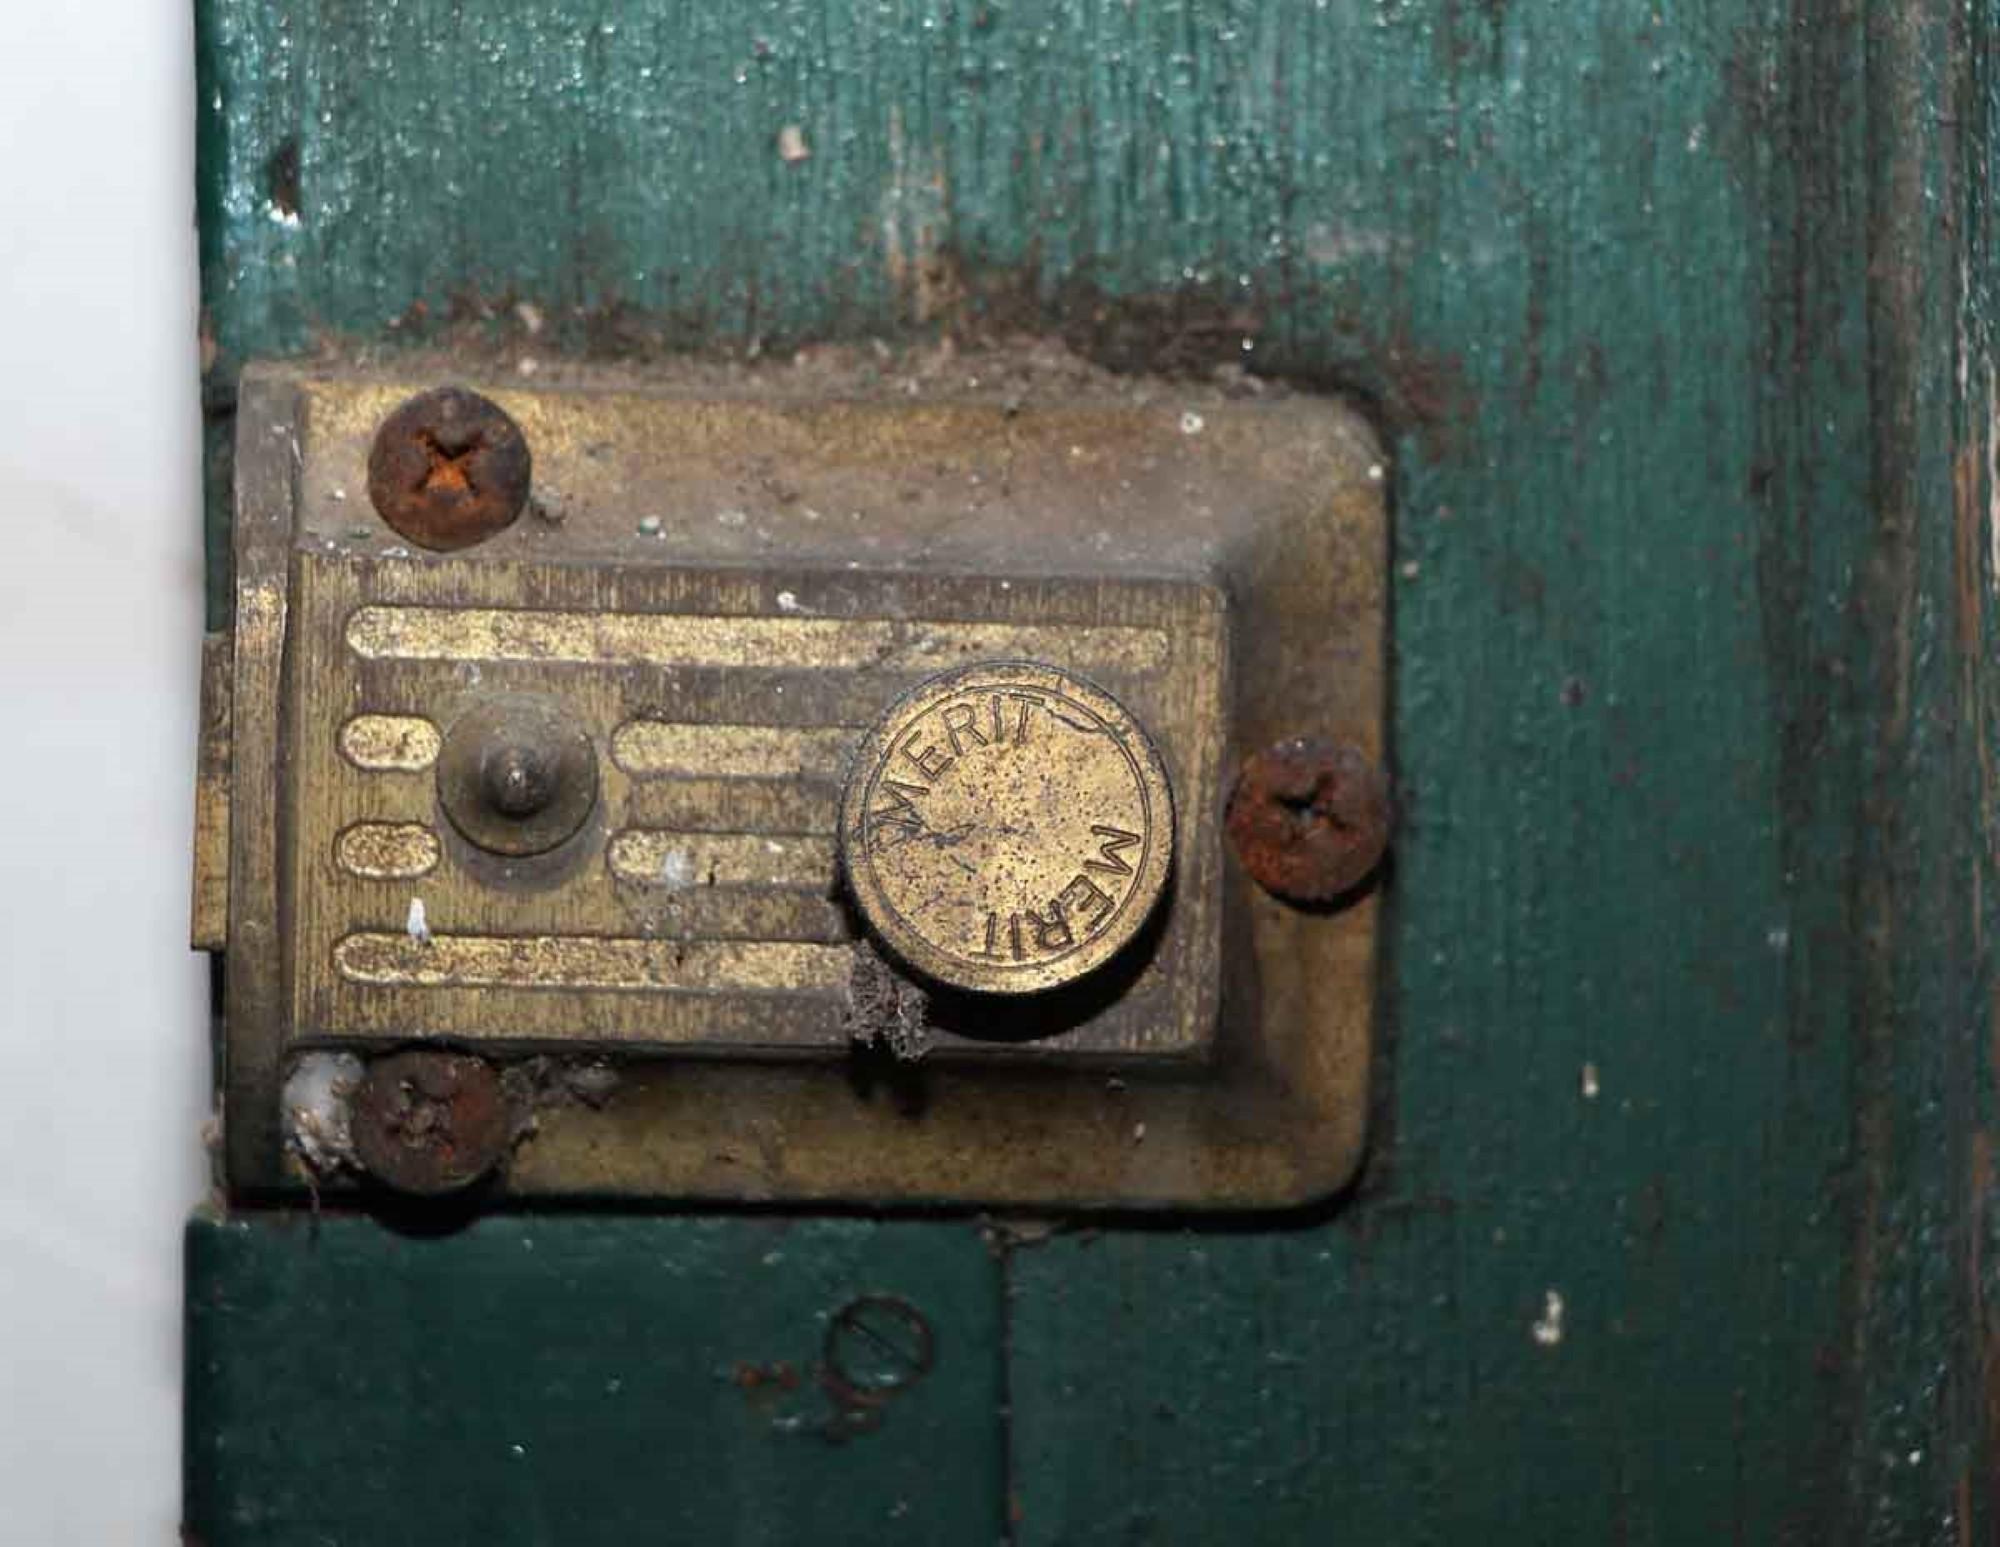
(837, 784)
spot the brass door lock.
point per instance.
(612, 791)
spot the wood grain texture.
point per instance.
(579, 1381)
(1682, 321)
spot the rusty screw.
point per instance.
(449, 468)
(1309, 819)
(875, 1347)
(430, 1122)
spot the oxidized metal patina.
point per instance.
(1008, 827)
(845, 775)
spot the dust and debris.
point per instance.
(212, 1131)
(318, 1120)
(1587, 1082)
(677, 870)
(1016, 1232)
(417, 925)
(534, 1086)
(886, 1009)
(792, 146)
(1548, 1327)
(593, 1083)
(1016, 368)
(1192, 423)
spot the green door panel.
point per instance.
(1677, 1224)
(573, 1381)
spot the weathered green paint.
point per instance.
(576, 1381)
(1682, 319)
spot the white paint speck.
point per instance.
(1587, 1082)
(788, 601)
(1138, 1133)
(649, 526)
(417, 926)
(278, 216)
(1375, 473)
(1411, 569)
(1778, 938)
(530, 315)
(677, 870)
(792, 146)
(1192, 423)
(1548, 1330)
(732, 518)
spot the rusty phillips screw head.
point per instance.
(449, 468)
(1309, 819)
(430, 1122)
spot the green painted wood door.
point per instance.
(1677, 1224)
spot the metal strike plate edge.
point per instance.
(209, 924)
(1264, 518)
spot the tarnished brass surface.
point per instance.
(721, 599)
(1007, 828)
(514, 776)
(209, 922)
(700, 807)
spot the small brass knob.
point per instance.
(1007, 827)
(515, 776)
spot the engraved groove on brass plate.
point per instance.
(1226, 588)
(781, 807)
(685, 639)
(1008, 827)
(678, 862)
(387, 850)
(572, 961)
(385, 742)
(658, 749)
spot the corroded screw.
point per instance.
(1309, 819)
(430, 1122)
(875, 1347)
(449, 468)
